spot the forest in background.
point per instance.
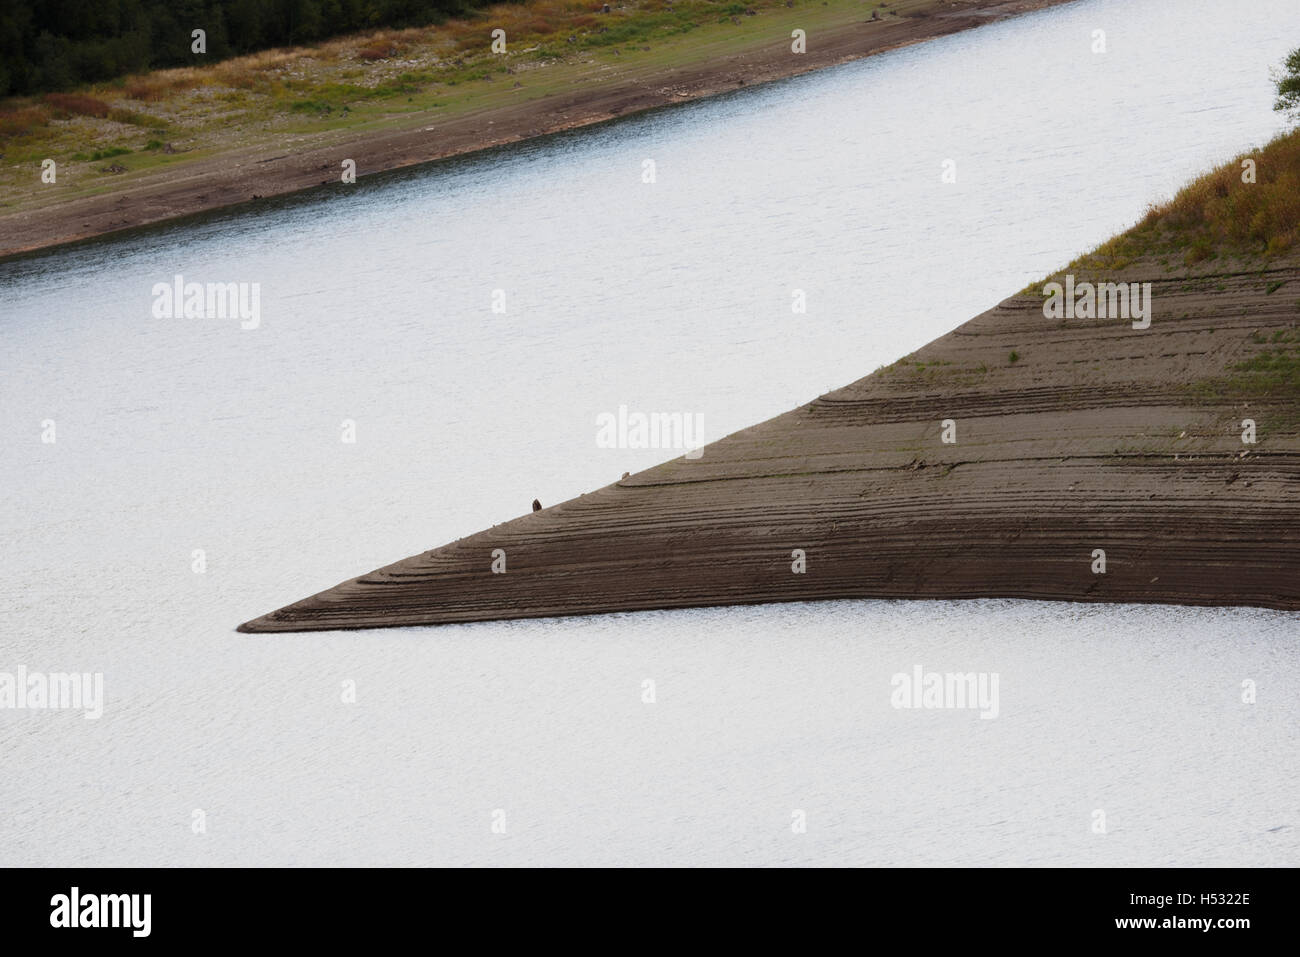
(50, 45)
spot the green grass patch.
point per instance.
(313, 107)
(1271, 375)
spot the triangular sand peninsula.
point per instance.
(1096, 436)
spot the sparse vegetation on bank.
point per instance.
(1247, 209)
(376, 82)
(1244, 209)
(342, 74)
(55, 44)
(1224, 212)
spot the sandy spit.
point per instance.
(1098, 436)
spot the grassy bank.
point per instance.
(116, 133)
(1234, 230)
(1247, 208)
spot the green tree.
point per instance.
(1288, 86)
(54, 62)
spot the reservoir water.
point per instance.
(376, 308)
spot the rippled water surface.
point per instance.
(175, 435)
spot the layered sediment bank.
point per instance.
(1023, 455)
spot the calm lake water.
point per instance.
(376, 307)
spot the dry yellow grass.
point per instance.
(1223, 209)
(285, 84)
(77, 104)
(21, 120)
(1221, 213)
(523, 23)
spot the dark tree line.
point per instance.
(53, 44)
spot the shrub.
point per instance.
(77, 104)
(378, 51)
(17, 122)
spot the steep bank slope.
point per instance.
(1072, 435)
